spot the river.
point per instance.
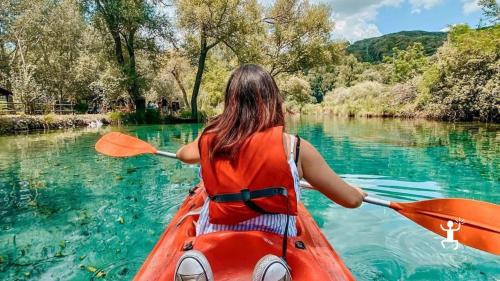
(68, 213)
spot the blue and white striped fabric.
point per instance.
(268, 223)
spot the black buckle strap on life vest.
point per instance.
(246, 196)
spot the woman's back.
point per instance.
(244, 161)
(273, 165)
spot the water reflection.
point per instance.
(462, 159)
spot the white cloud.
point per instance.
(354, 29)
(418, 5)
(354, 19)
(470, 6)
(448, 28)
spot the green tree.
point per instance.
(63, 38)
(373, 50)
(348, 71)
(52, 53)
(209, 23)
(491, 11)
(45, 40)
(323, 77)
(178, 66)
(125, 21)
(463, 83)
(408, 63)
(98, 78)
(19, 32)
(213, 87)
(297, 37)
(297, 91)
(6, 53)
(322, 80)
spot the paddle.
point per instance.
(478, 221)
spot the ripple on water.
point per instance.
(375, 262)
(396, 189)
(392, 247)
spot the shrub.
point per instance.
(185, 114)
(117, 117)
(363, 99)
(81, 108)
(407, 64)
(152, 116)
(298, 92)
(49, 118)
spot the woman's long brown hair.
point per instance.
(252, 104)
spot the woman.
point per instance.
(251, 171)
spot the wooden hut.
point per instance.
(6, 95)
(6, 102)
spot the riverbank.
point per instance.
(10, 124)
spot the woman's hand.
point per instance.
(364, 194)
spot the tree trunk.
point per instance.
(183, 90)
(118, 46)
(127, 67)
(133, 83)
(199, 75)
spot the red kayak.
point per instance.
(233, 255)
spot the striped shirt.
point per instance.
(274, 223)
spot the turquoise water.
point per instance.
(67, 213)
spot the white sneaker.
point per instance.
(193, 266)
(271, 268)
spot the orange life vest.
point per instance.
(258, 181)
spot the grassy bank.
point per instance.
(150, 116)
(10, 124)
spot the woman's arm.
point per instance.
(317, 172)
(189, 153)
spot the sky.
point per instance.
(360, 19)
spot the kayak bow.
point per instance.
(233, 255)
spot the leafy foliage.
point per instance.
(406, 64)
(297, 34)
(363, 99)
(464, 82)
(491, 11)
(297, 92)
(116, 53)
(460, 82)
(209, 23)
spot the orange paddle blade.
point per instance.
(479, 221)
(120, 145)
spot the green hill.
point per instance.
(374, 49)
